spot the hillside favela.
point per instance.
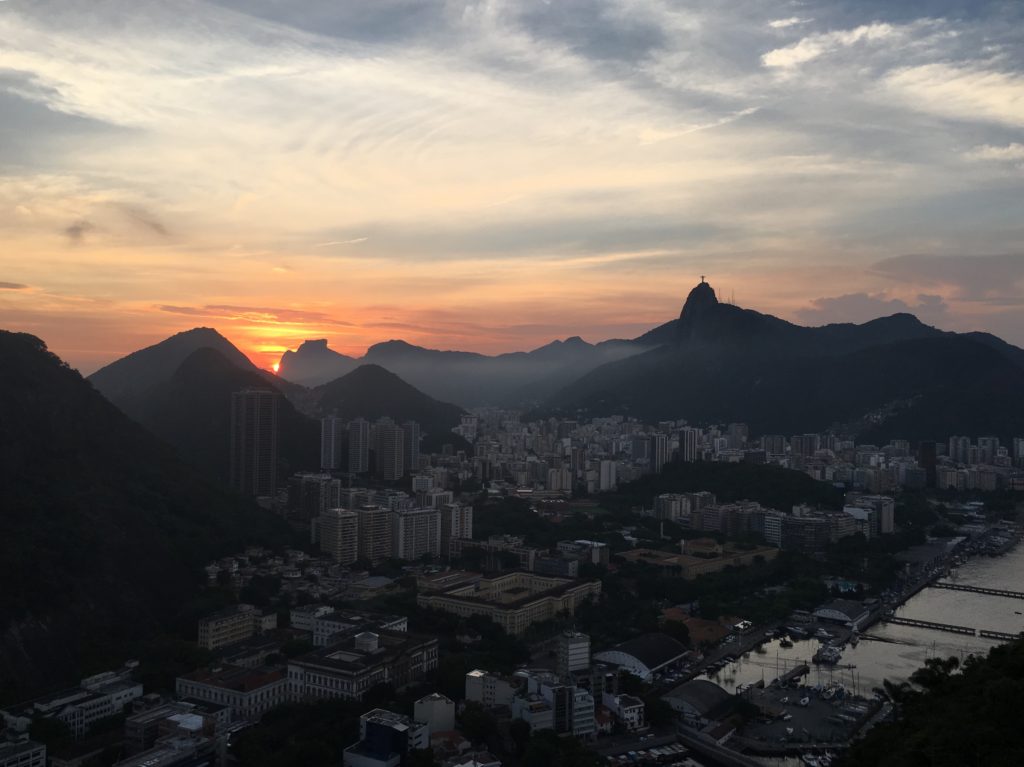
(471, 383)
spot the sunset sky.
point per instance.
(491, 175)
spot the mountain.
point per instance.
(891, 377)
(123, 381)
(371, 392)
(103, 529)
(467, 378)
(191, 410)
(313, 363)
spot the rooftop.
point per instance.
(235, 677)
(346, 657)
(701, 694)
(653, 650)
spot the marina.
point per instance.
(896, 647)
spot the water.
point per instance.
(893, 652)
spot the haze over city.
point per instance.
(489, 176)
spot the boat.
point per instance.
(796, 631)
(804, 701)
(828, 655)
(811, 760)
(786, 643)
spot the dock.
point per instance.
(951, 628)
(978, 590)
(998, 635)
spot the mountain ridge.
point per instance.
(890, 377)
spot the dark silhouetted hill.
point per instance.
(191, 410)
(891, 377)
(103, 529)
(124, 380)
(372, 392)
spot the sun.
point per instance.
(275, 367)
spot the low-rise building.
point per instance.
(437, 710)
(78, 708)
(359, 661)
(628, 709)
(698, 701)
(385, 739)
(22, 753)
(645, 655)
(700, 558)
(304, 617)
(233, 624)
(843, 611)
(328, 626)
(248, 693)
(514, 601)
(489, 689)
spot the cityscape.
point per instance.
(486, 383)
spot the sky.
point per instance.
(491, 175)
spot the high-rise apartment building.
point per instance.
(607, 479)
(988, 447)
(415, 533)
(738, 434)
(338, 531)
(359, 446)
(374, 533)
(689, 440)
(411, 436)
(959, 449)
(456, 522)
(333, 444)
(658, 452)
(254, 442)
(804, 444)
(388, 450)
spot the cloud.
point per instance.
(970, 92)
(143, 217)
(792, 21)
(1010, 153)
(813, 46)
(334, 243)
(258, 314)
(76, 232)
(862, 307)
(998, 279)
(12, 286)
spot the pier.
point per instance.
(978, 590)
(931, 625)
(998, 635)
(984, 633)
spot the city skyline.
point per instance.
(491, 176)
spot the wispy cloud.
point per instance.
(813, 46)
(12, 286)
(1010, 153)
(792, 21)
(335, 243)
